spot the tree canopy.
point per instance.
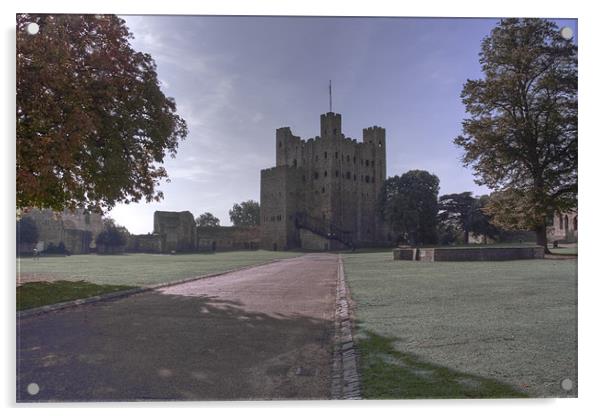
(465, 213)
(113, 235)
(408, 204)
(521, 134)
(245, 214)
(207, 220)
(93, 125)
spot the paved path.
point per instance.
(261, 333)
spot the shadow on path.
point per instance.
(157, 346)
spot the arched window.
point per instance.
(295, 163)
(323, 190)
(575, 223)
(325, 173)
(325, 155)
(560, 221)
(336, 173)
(566, 222)
(367, 179)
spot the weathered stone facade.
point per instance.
(483, 253)
(564, 228)
(144, 243)
(177, 231)
(228, 238)
(322, 193)
(77, 230)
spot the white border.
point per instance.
(589, 274)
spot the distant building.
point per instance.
(564, 227)
(322, 194)
(177, 232)
(77, 230)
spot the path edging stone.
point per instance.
(346, 384)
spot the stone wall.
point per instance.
(77, 241)
(77, 229)
(178, 231)
(174, 231)
(469, 253)
(311, 241)
(564, 227)
(228, 238)
(144, 243)
(404, 254)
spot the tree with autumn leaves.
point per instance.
(521, 134)
(93, 126)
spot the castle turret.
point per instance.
(283, 135)
(330, 125)
(376, 136)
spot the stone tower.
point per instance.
(323, 192)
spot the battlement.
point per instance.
(330, 125)
(275, 169)
(330, 128)
(375, 135)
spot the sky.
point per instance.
(235, 80)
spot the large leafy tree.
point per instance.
(521, 136)
(467, 214)
(207, 220)
(245, 214)
(93, 126)
(408, 205)
(113, 235)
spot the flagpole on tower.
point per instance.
(330, 94)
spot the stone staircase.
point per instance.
(323, 228)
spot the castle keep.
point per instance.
(322, 194)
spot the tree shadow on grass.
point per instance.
(159, 346)
(390, 374)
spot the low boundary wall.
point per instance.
(469, 253)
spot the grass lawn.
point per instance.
(35, 294)
(142, 269)
(564, 250)
(464, 329)
(83, 276)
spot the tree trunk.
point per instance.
(542, 237)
